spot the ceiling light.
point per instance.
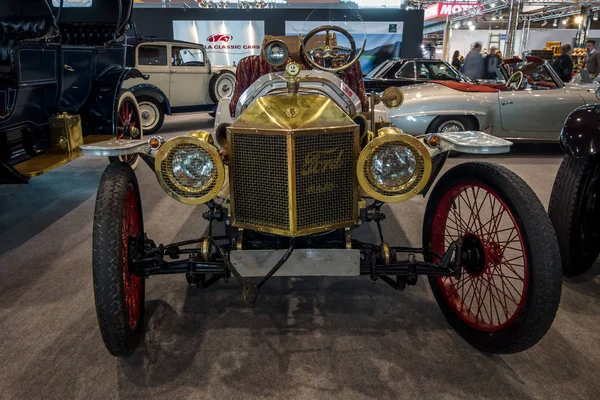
(493, 18)
(578, 19)
(555, 23)
(595, 18)
(457, 25)
(545, 22)
(493, 5)
(472, 27)
(469, 23)
(565, 21)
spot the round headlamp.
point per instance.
(393, 167)
(276, 53)
(189, 169)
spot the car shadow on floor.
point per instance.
(330, 336)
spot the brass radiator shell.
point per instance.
(292, 166)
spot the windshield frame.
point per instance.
(544, 64)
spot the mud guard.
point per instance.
(99, 114)
(148, 90)
(580, 136)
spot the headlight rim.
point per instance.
(373, 190)
(267, 47)
(216, 183)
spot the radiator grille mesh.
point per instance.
(260, 180)
(325, 169)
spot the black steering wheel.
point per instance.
(515, 81)
(331, 58)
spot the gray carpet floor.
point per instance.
(306, 339)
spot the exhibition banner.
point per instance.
(226, 42)
(384, 39)
(441, 10)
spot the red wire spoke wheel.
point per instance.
(491, 290)
(508, 291)
(118, 291)
(128, 125)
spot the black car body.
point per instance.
(410, 71)
(575, 201)
(56, 60)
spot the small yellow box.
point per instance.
(65, 132)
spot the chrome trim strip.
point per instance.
(436, 113)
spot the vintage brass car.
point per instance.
(300, 158)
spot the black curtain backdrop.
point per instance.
(159, 21)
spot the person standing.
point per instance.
(563, 65)
(473, 66)
(456, 60)
(592, 59)
(492, 61)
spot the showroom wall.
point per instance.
(159, 22)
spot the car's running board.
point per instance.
(45, 162)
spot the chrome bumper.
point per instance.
(474, 142)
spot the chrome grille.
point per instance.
(259, 180)
(323, 173)
(325, 185)
(166, 168)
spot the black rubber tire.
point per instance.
(569, 194)
(159, 108)
(544, 279)
(438, 121)
(212, 87)
(107, 261)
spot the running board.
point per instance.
(43, 163)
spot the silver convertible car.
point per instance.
(531, 105)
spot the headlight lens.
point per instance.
(189, 169)
(192, 167)
(393, 165)
(276, 53)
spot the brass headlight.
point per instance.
(189, 169)
(393, 167)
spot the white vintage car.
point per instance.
(531, 106)
(181, 79)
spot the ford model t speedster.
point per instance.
(303, 161)
(62, 69)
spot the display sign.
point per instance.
(439, 10)
(226, 42)
(384, 39)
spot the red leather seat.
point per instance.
(251, 68)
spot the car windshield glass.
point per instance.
(182, 56)
(535, 73)
(437, 71)
(380, 70)
(72, 3)
(152, 55)
(407, 71)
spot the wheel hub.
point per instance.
(145, 115)
(474, 255)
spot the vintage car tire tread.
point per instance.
(545, 279)
(107, 271)
(567, 195)
(161, 113)
(212, 87)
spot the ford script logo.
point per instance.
(219, 38)
(321, 161)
